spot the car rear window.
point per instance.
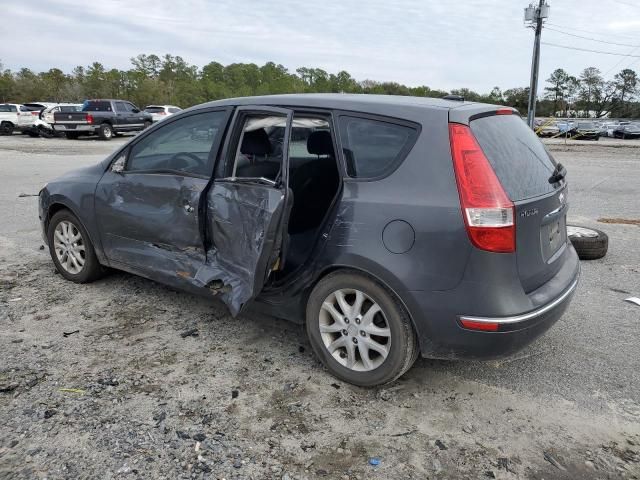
(374, 148)
(519, 159)
(69, 108)
(93, 106)
(154, 109)
(8, 108)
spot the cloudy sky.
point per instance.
(442, 44)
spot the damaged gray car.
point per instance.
(391, 226)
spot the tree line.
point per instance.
(171, 80)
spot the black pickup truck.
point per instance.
(102, 117)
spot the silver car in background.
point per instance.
(160, 112)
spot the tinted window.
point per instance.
(374, 148)
(96, 106)
(517, 156)
(121, 107)
(8, 108)
(69, 108)
(174, 110)
(154, 109)
(181, 146)
(131, 107)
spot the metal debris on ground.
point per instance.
(193, 332)
(635, 300)
(67, 334)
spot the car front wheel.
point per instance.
(71, 249)
(359, 330)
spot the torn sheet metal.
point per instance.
(243, 225)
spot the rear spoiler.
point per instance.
(470, 111)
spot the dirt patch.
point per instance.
(620, 221)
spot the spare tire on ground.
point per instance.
(589, 243)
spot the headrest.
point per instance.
(319, 143)
(256, 142)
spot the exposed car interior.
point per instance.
(313, 174)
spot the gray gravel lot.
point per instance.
(129, 397)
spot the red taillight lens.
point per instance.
(488, 213)
(35, 113)
(504, 111)
(482, 326)
(89, 118)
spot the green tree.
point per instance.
(558, 89)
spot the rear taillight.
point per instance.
(162, 113)
(89, 118)
(488, 213)
(35, 114)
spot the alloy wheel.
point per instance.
(354, 330)
(69, 247)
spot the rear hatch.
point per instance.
(524, 168)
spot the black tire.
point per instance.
(46, 132)
(404, 347)
(589, 246)
(72, 135)
(106, 132)
(6, 128)
(33, 133)
(91, 270)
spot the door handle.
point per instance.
(188, 208)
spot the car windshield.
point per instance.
(154, 109)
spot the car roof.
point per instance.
(398, 106)
(340, 100)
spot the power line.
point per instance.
(592, 39)
(603, 34)
(589, 50)
(619, 62)
(626, 3)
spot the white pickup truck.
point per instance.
(14, 116)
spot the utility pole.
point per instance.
(533, 17)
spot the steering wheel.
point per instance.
(188, 160)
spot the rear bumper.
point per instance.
(78, 128)
(520, 317)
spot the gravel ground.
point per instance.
(125, 378)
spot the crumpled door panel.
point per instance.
(243, 225)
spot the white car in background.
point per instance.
(160, 112)
(14, 116)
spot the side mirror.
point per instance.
(118, 165)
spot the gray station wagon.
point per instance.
(391, 226)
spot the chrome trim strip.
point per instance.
(525, 316)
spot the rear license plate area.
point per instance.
(553, 236)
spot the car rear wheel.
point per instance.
(590, 244)
(359, 330)
(71, 249)
(105, 132)
(6, 128)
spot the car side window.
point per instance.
(259, 151)
(374, 148)
(130, 107)
(121, 107)
(173, 110)
(179, 146)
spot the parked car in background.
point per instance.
(14, 117)
(566, 128)
(548, 130)
(102, 117)
(631, 130)
(586, 131)
(321, 209)
(160, 112)
(43, 125)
